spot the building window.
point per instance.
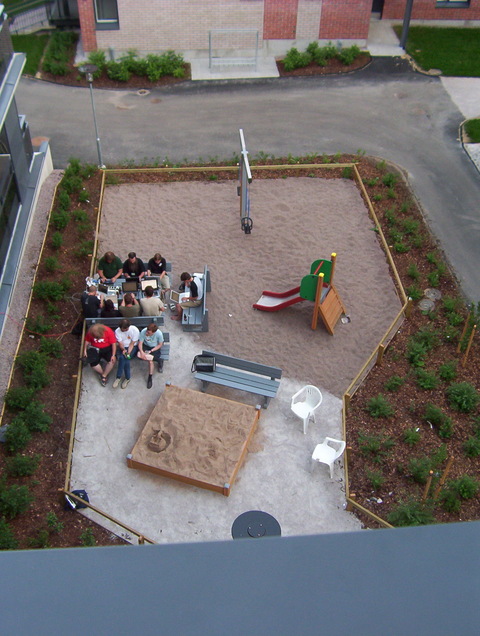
(106, 14)
(453, 4)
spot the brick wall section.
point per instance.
(86, 14)
(345, 19)
(308, 19)
(152, 27)
(280, 21)
(427, 10)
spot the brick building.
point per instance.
(183, 25)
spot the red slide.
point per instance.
(274, 301)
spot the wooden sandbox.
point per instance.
(195, 438)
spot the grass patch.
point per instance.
(33, 46)
(472, 128)
(455, 51)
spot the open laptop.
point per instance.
(129, 286)
(150, 282)
(177, 297)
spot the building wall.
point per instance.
(428, 10)
(345, 19)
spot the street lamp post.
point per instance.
(406, 23)
(88, 70)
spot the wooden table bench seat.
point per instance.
(243, 375)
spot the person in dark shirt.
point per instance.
(91, 303)
(109, 310)
(109, 267)
(133, 266)
(193, 284)
(157, 266)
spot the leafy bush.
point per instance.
(53, 523)
(456, 490)
(376, 478)
(85, 248)
(428, 337)
(51, 264)
(439, 420)
(34, 367)
(414, 292)
(412, 272)
(416, 353)
(410, 225)
(411, 513)
(394, 383)
(294, 59)
(74, 167)
(451, 304)
(100, 60)
(35, 417)
(348, 55)
(52, 348)
(7, 538)
(463, 397)
(411, 436)
(48, 290)
(14, 500)
(64, 201)
(72, 184)
(39, 325)
(118, 71)
(84, 196)
(18, 398)
(471, 447)
(379, 406)
(87, 538)
(375, 445)
(426, 380)
(22, 465)
(59, 219)
(419, 469)
(347, 172)
(389, 179)
(57, 54)
(448, 370)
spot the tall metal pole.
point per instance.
(99, 149)
(406, 23)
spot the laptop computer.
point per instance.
(130, 286)
(177, 297)
(150, 282)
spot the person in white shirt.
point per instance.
(127, 336)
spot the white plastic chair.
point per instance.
(304, 403)
(328, 452)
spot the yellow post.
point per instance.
(333, 258)
(427, 485)
(463, 332)
(443, 477)
(318, 298)
(464, 361)
(380, 352)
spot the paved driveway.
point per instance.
(405, 117)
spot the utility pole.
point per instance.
(406, 23)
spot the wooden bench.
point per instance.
(140, 322)
(243, 375)
(196, 318)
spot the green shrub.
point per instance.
(59, 219)
(100, 60)
(377, 446)
(433, 279)
(14, 500)
(51, 264)
(39, 325)
(57, 240)
(416, 353)
(412, 272)
(35, 417)
(87, 538)
(64, 201)
(84, 249)
(450, 333)
(451, 304)
(439, 456)
(389, 179)
(72, 184)
(426, 380)
(456, 490)
(419, 469)
(439, 420)
(455, 319)
(390, 215)
(7, 538)
(411, 436)
(53, 523)
(432, 258)
(414, 292)
(401, 247)
(380, 407)
(428, 337)
(41, 541)
(88, 170)
(446, 429)
(48, 290)
(391, 194)
(348, 55)
(450, 500)
(18, 398)
(463, 397)
(448, 371)
(471, 447)
(51, 347)
(376, 478)
(74, 167)
(118, 71)
(466, 486)
(294, 59)
(84, 196)
(411, 513)
(34, 367)
(347, 172)
(80, 216)
(410, 225)
(394, 383)
(22, 465)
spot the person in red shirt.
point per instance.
(103, 346)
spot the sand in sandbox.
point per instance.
(195, 437)
(296, 221)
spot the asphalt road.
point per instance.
(398, 115)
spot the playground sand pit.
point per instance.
(295, 222)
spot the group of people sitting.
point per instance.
(123, 344)
(104, 347)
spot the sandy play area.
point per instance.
(193, 224)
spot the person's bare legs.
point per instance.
(179, 312)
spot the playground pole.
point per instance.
(318, 297)
(333, 258)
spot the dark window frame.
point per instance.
(106, 24)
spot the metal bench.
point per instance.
(140, 322)
(196, 318)
(243, 375)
